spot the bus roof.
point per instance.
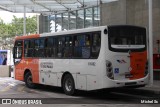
(27, 36)
(91, 29)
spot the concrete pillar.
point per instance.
(137, 12)
(113, 13)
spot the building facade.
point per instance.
(132, 12)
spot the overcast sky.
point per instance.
(8, 16)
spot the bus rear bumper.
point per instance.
(126, 83)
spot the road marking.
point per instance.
(6, 88)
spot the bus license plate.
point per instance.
(128, 75)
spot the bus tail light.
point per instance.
(146, 69)
(109, 70)
(108, 64)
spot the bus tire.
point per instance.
(68, 85)
(28, 80)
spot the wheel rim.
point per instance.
(68, 84)
(29, 80)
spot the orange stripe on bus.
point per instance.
(138, 63)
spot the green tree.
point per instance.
(31, 25)
(3, 28)
(16, 27)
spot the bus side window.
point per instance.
(87, 40)
(75, 41)
(36, 49)
(61, 45)
(81, 46)
(41, 47)
(77, 48)
(26, 47)
(31, 52)
(86, 48)
(48, 49)
(54, 47)
(96, 42)
(81, 40)
(68, 47)
(18, 49)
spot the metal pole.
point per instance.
(37, 24)
(24, 22)
(150, 42)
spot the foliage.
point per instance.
(15, 28)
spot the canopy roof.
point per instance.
(47, 6)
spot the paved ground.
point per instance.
(155, 88)
(121, 97)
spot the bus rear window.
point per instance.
(125, 38)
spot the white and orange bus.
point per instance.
(85, 59)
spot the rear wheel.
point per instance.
(28, 80)
(68, 85)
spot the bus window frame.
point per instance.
(15, 47)
(29, 48)
(126, 50)
(17, 60)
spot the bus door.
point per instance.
(17, 55)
